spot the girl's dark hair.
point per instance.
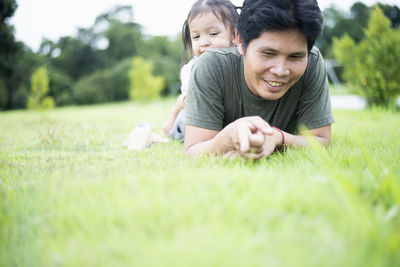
(258, 16)
(222, 9)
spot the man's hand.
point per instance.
(247, 136)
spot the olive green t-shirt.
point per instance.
(218, 95)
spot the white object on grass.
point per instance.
(139, 137)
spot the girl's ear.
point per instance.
(238, 42)
(233, 40)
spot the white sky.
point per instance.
(35, 19)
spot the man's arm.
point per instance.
(249, 137)
(322, 135)
(245, 135)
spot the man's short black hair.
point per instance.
(258, 16)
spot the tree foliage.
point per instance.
(61, 87)
(76, 58)
(337, 23)
(3, 93)
(89, 67)
(124, 40)
(106, 85)
(9, 49)
(371, 66)
(144, 85)
(40, 87)
(165, 55)
(19, 82)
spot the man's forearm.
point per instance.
(321, 135)
(219, 144)
(245, 135)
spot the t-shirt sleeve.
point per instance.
(204, 105)
(315, 106)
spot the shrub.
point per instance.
(104, 86)
(19, 99)
(371, 67)
(168, 68)
(144, 86)
(60, 87)
(39, 88)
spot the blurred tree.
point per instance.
(116, 32)
(106, 85)
(371, 66)
(93, 61)
(9, 49)
(360, 12)
(3, 93)
(392, 13)
(124, 40)
(61, 87)
(144, 85)
(76, 58)
(120, 12)
(40, 87)
(93, 52)
(165, 55)
(19, 82)
(338, 22)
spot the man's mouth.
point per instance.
(274, 84)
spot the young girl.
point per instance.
(210, 24)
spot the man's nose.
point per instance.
(280, 68)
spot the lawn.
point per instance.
(72, 195)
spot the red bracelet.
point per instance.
(283, 136)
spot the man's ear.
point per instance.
(239, 43)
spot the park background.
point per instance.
(71, 194)
(93, 63)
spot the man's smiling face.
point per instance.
(274, 62)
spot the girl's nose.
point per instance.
(204, 41)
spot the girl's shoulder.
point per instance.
(188, 66)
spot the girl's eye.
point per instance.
(195, 37)
(214, 33)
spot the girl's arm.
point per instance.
(179, 105)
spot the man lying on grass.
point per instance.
(274, 77)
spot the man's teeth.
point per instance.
(275, 84)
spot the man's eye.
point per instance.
(296, 57)
(268, 54)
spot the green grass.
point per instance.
(72, 195)
(339, 90)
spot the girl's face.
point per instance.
(208, 31)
